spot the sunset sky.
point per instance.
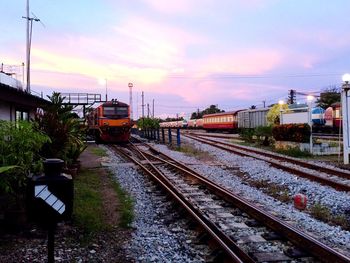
(184, 54)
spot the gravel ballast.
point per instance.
(337, 201)
(159, 234)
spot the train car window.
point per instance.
(108, 111)
(337, 115)
(120, 112)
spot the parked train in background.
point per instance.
(224, 121)
(110, 122)
(174, 124)
(252, 118)
(195, 124)
(328, 120)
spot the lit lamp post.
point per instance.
(345, 116)
(281, 102)
(309, 103)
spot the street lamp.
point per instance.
(281, 102)
(345, 117)
(310, 98)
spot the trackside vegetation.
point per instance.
(88, 203)
(99, 152)
(126, 204)
(55, 132)
(89, 211)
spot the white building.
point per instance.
(15, 103)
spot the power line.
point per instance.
(261, 76)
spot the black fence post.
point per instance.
(163, 136)
(178, 141)
(169, 136)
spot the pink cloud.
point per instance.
(137, 49)
(319, 38)
(198, 6)
(249, 61)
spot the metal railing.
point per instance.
(80, 98)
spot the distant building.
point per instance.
(15, 103)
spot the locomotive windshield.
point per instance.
(115, 111)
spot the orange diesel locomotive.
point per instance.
(110, 122)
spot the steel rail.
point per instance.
(297, 237)
(224, 146)
(343, 174)
(231, 249)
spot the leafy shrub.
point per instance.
(263, 133)
(292, 132)
(20, 146)
(64, 129)
(148, 123)
(246, 134)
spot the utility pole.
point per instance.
(137, 106)
(143, 105)
(29, 41)
(292, 96)
(130, 85)
(153, 108)
(143, 110)
(28, 49)
(23, 74)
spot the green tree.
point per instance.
(148, 123)
(273, 115)
(174, 119)
(328, 97)
(210, 110)
(63, 128)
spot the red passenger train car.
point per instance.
(337, 115)
(110, 122)
(221, 121)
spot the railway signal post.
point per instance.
(345, 115)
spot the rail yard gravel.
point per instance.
(338, 202)
(159, 234)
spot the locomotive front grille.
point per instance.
(117, 130)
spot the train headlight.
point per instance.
(106, 124)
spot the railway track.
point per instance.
(245, 232)
(336, 178)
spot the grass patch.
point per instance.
(192, 151)
(294, 152)
(323, 213)
(279, 192)
(99, 151)
(126, 202)
(320, 212)
(88, 208)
